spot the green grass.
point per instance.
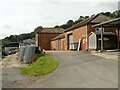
(42, 66)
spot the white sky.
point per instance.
(23, 16)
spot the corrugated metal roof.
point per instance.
(58, 37)
(112, 22)
(92, 19)
(51, 30)
(104, 33)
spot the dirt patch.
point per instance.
(11, 77)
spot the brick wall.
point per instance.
(84, 31)
(90, 29)
(79, 33)
(66, 39)
(53, 45)
(61, 44)
(43, 40)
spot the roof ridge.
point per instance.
(83, 22)
(89, 19)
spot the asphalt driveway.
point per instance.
(81, 70)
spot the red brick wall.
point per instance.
(90, 29)
(61, 44)
(66, 39)
(79, 33)
(53, 45)
(84, 31)
(43, 40)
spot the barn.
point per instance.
(44, 36)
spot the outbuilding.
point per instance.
(81, 30)
(44, 36)
(109, 41)
(58, 43)
(113, 24)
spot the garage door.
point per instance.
(70, 40)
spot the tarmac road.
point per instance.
(81, 70)
(75, 70)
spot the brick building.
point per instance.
(58, 43)
(112, 25)
(60, 39)
(82, 30)
(44, 36)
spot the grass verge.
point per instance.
(42, 66)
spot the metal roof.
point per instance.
(51, 30)
(92, 19)
(104, 33)
(58, 37)
(110, 23)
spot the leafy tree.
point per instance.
(81, 18)
(68, 24)
(86, 17)
(116, 14)
(56, 26)
(63, 26)
(38, 29)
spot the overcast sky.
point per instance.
(23, 16)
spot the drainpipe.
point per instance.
(101, 38)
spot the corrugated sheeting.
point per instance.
(27, 54)
(21, 53)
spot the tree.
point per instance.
(81, 18)
(38, 29)
(86, 17)
(57, 26)
(68, 24)
(116, 14)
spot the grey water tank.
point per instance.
(33, 52)
(29, 54)
(21, 53)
